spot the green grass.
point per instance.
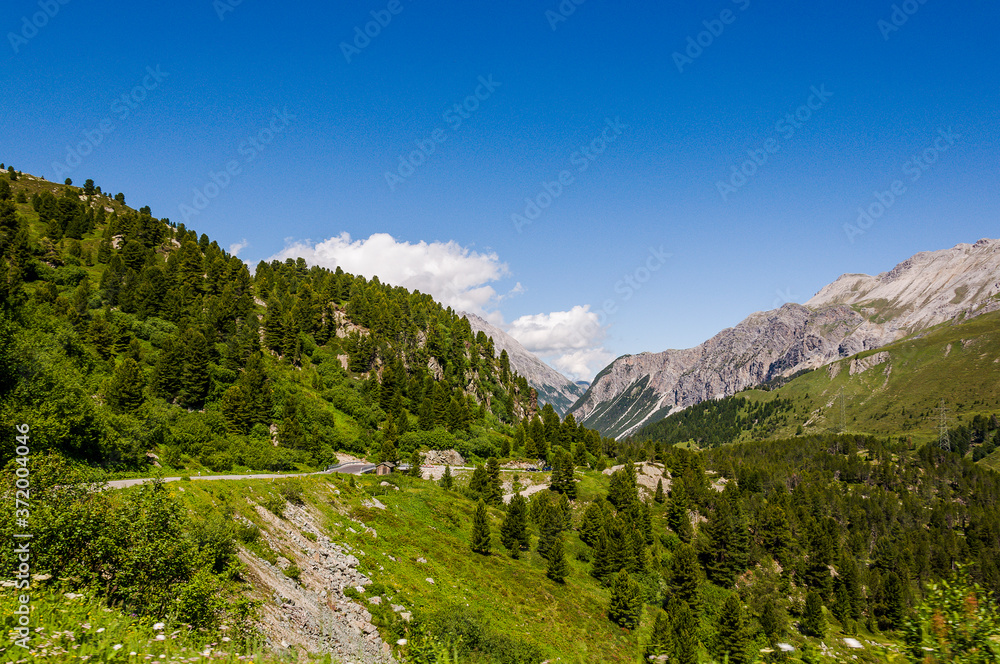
(899, 397)
(79, 627)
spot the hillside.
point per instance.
(132, 340)
(552, 387)
(854, 314)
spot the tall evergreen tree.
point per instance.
(625, 608)
(658, 496)
(514, 529)
(124, 391)
(734, 641)
(813, 621)
(493, 491)
(557, 570)
(447, 481)
(684, 576)
(481, 530)
(685, 635)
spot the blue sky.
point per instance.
(638, 248)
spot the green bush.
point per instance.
(291, 491)
(275, 505)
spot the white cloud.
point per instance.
(583, 364)
(452, 274)
(236, 247)
(571, 341)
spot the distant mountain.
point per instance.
(853, 314)
(553, 387)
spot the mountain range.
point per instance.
(855, 313)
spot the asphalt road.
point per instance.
(121, 484)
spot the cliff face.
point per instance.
(855, 313)
(553, 387)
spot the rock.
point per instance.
(429, 580)
(855, 313)
(406, 615)
(422, 561)
(375, 600)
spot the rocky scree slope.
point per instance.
(855, 313)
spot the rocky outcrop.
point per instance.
(312, 614)
(552, 387)
(856, 313)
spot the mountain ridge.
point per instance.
(854, 313)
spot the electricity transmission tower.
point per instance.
(944, 440)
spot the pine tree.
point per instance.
(685, 635)
(592, 524)
(481, 530)
(772, 620)
(658, 496)
(813, 621)
(480, 482)
(447, 481)
(557, 568)
(494, 487)
(625, 608)
(513, 530)
(677, 511)
(661, 640)
(124, 390)
(734, 641)
(415, 462)
(684, 576)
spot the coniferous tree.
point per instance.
(447, 481)
(592, 524)
(772, 620)
(658, 496)
(415, 461)
(625, 608)
(661, 640)
(685, 635)
(734, 641)
(124, 391)
(494, 487)
(479, 484)
(481, 530)
(677, 511)
(684, 576)
(813, 621)
(514, 529)
(557, 568)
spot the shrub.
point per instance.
(275, 505)
(292, 492)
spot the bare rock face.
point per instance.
(552, 387)
(853, 314)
